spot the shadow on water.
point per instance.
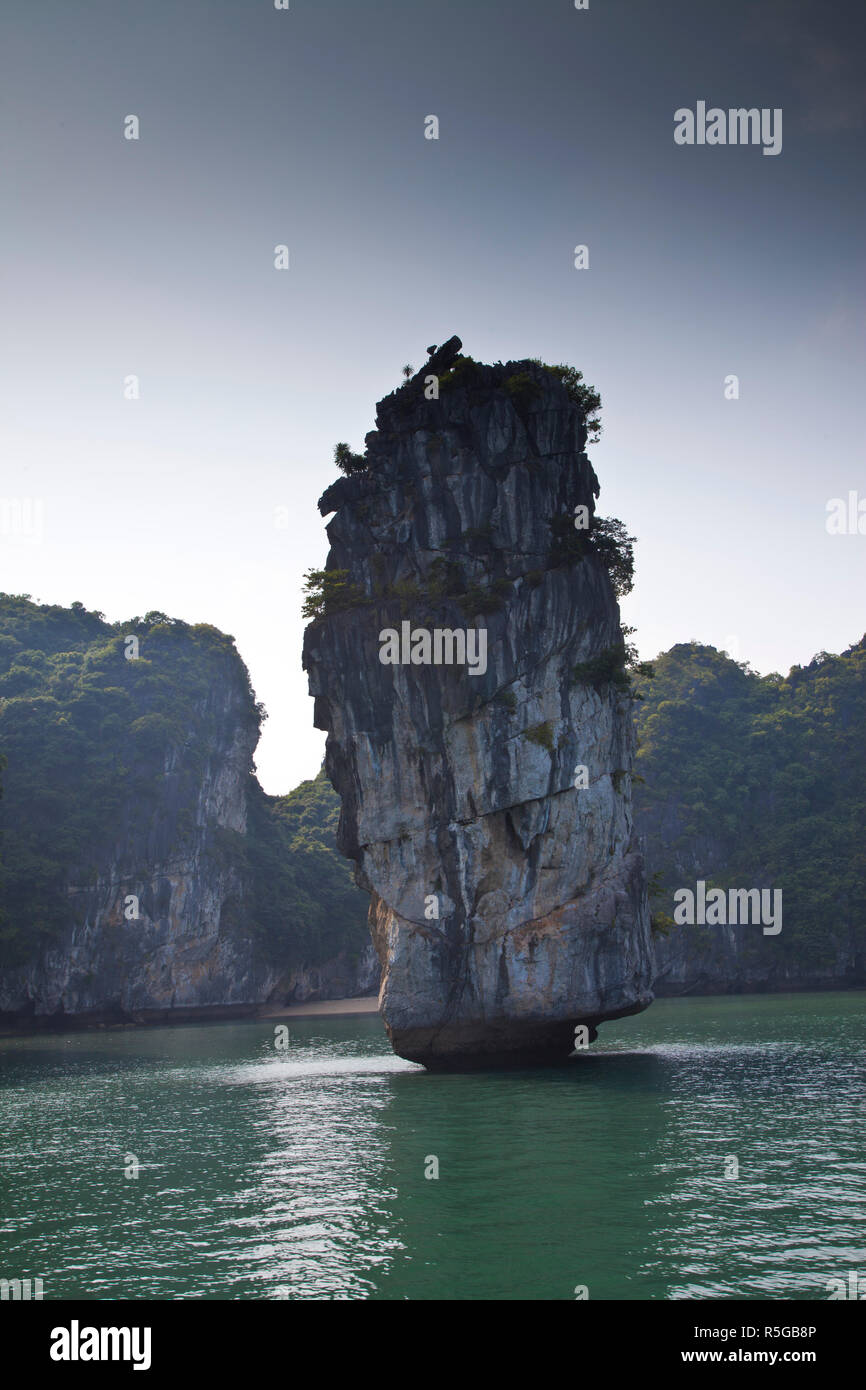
(542, 1178)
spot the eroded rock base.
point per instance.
(510, 1046)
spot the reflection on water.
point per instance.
(301, 1174)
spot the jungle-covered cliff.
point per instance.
(756, 781)
(143, 869)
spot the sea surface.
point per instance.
(707, 1148)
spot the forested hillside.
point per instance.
(760, 781)
(307, 907)
(95, 744)
(128, 769)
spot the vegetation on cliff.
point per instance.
(104, 758)
(306, 906)
(528, 384)
(752, 780)
(103, 752)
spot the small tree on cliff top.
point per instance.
(346, 461)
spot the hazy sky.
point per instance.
(259, 127)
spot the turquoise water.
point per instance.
(301, 1174)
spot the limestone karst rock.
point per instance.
(145, 874)
(508, 905)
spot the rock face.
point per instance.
(193, 948)
(736, 960)
(507, 905)
(180, 952)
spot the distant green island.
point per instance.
(753, 779)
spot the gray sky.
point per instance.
(306, 127)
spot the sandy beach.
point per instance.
(365, 1005)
